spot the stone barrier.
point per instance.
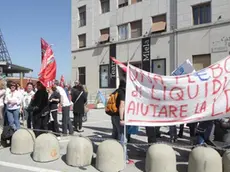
(22, 142)
(204, 159)
(46, 148)
(226, 161)
(160, 158)
(79, 152)
(110, 156)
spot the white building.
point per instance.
(171, 31)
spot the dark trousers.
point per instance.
(55, 123)
(78, 121)
(192, 129)
(40, 123)
(173, 132)
(66, 122)
(117, 130)
(151, 133)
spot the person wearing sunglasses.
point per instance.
(13, 102)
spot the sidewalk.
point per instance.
(98, 127)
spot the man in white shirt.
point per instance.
(26, 99)
(65, 103)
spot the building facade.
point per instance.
(155, 35)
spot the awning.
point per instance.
(122, 2)
(12, 68)
(158, 26)
(104, 37)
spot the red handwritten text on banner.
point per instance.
(154, 100)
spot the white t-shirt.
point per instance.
(13, 97)
(27, 98)
(64, 99)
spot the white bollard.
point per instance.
(226, 161)
(46, 148)
(160, 158)
(204, 159)
(79, 152)
(110, 156)
(22, 142)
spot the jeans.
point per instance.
(78, 121)
(13, 118)
(66, 122)
(123, 141)
(28, 116)
(118, 133)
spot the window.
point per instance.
(82, 40)
(159, 66)
(105, 6)
(202, 14)
(136, 29)
(81, 75)
(123, 32)
(201, 61)
(82, 16)
(104, 35)
(104, 76)
(159, 23)
(122, 3)
(135, 1)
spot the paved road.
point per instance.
(98, 126)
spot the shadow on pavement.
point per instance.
(140, 165)
(182, 167)
(105, 130)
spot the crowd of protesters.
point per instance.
(38, 106)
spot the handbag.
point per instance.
(86, 109)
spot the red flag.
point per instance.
(62, 81)
(44, 46)
(47, 74)
(121, 65)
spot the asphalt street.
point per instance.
(98, 127)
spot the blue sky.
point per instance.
(24, 22)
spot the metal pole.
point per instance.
(125, 145)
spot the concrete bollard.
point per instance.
(22, 142)
(204, 159)
(46, 148)
(226, 161)
(79, 152)
(110, 156)
(160, 158)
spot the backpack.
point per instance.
(7, 133)
(111, 106)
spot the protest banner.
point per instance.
(155, 100)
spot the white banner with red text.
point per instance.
(155, 100)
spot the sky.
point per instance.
(24, 22)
